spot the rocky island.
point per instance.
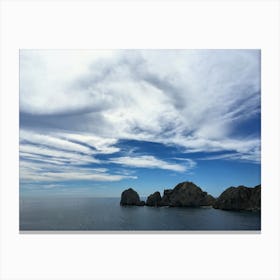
(131, 197)
(240, 198)
(187, 194)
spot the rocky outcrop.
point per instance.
(239, 198)
(141, 203)
(154, 199)
(131, 197)
(256, 197)
(209, 200)
(187, 194)
(165, 201)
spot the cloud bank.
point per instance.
(75, 106)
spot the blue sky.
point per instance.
(93, 123)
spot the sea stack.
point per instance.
(240, 198)
(154, 199)
(131, 197)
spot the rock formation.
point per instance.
(131, 197)
(186, 194)
(256, 197)
(239, 198)
(209, 200)
(165, 201)
(154, 199)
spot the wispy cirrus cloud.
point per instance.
(51, 141)
(64, 148)
(194, 99)
(48, 172)
(75, 107)
(251, 156)
(152, 162)
(101, 145)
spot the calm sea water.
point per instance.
(67, 213)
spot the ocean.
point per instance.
(105, 214)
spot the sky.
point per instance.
(96, 122)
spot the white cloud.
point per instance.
(193, 99)
(152, 162)
(46, 172)
(33, 151)
(101, 144)
(47, 76)
(73, 142)
(251, 156)
(53, 142)
(70, 176)
(59, 148)
(196, 144)
(56, 158)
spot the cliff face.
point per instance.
(239, 198)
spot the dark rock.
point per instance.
(141, 203)
(165, 201)
(256, 197)
(167, 192)
(239, 198)
(131, 197)
(209, 200)
(154, 199)
(186, 194)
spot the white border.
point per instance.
(156, 24)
